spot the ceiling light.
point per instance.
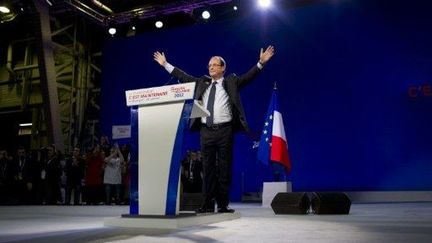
(159, 24)
(4, 9)
(112, 31)
(205, 14)
(264, 3)
(133, 23)
(235, 8)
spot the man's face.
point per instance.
(76, 152)
(96, 149)
(112, 150)
(50, 151)
(193, 156)
(216, 70)
(21, 153)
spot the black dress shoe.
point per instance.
(204, 210)
(226, 210)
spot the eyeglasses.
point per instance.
(213, 65)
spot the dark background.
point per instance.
(343, 69)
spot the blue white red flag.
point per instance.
(273, 144)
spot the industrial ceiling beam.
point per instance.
(141, 12)
(47, 74)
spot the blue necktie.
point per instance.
(210, 103)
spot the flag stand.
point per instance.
(270, 189)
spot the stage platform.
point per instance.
(184, 219)
(367, 222)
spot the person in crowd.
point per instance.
(24, 176)
(74, 176)
(105, 144)
(94, 176)
(184, 186)
(191, 173)
(63, 176)
(125, 150)
(6, 178)
(49, 176)
(112, 175)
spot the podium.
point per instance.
(159, 116)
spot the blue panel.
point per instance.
(344, 70)
(173, 179)
(133, 207)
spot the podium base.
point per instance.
(169, 222)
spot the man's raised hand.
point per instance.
(266, 55)
(159, 58)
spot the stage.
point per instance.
(372, 222)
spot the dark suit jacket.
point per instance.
(232, 85)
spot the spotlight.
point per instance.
(264, 3)
(205, 14)
(4, 9)
(112, 31)
(159, 24)
(132, 30)
(235, 8)
(133, 23)
(6, 14)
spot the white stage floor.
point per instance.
(381, 222)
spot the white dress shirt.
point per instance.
(221, 109)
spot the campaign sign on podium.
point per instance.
(159, 116)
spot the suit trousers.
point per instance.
(216, 149)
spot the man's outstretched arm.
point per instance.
(160, 58)
(264, 57)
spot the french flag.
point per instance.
(273, 144)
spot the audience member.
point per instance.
(49, 192)
(6, 178)
(125, 150)
(94, 176)
(105, 144)
(24, 177)
(74, 176)
(112, 175)
(192, 173)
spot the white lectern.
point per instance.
(159, 116)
